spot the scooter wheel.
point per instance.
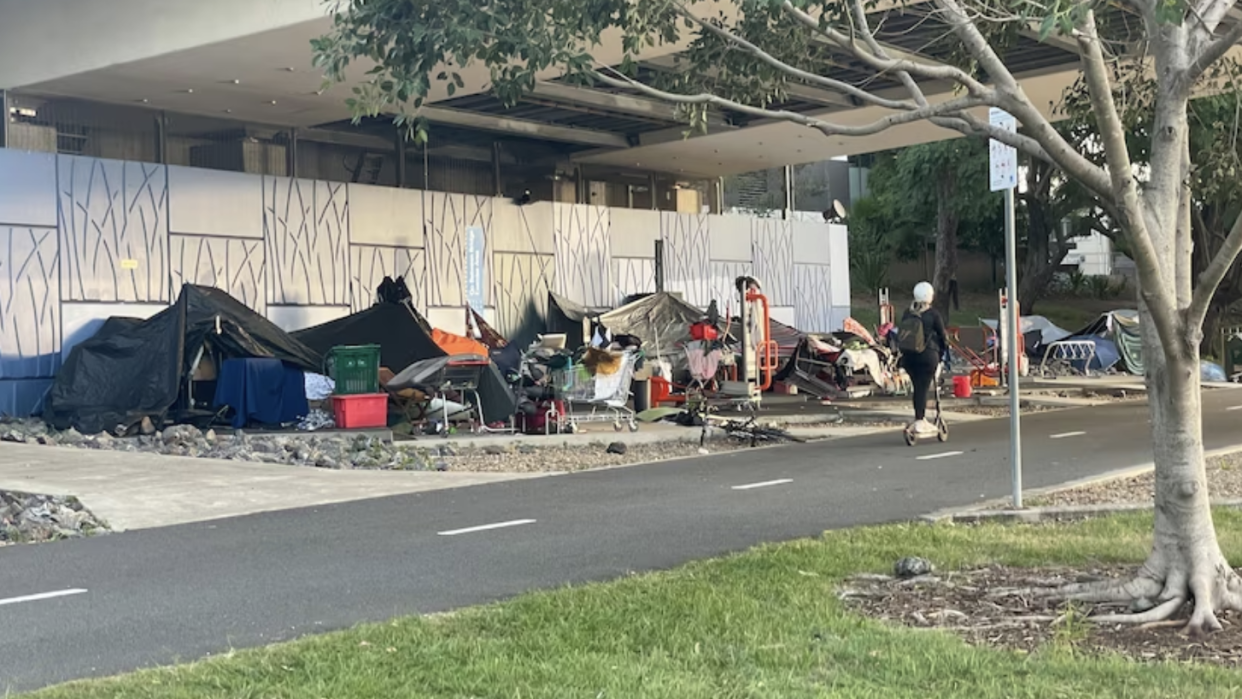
(911, 438)
(942, 431)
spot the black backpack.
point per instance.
(911, 338)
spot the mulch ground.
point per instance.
(967, 603)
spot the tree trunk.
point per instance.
(1044, 253)
(947, 222)
(1186, 558)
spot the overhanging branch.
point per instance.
(794, 71)
(1013, 99)
(928, 70)
(949, 108)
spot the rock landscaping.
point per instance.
(29, 518)
(336, 451)
(1224, 475)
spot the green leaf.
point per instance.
(1046, 27)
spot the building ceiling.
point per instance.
(267, 77)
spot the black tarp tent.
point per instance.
(566, 316)
(135, 369)
(404, 337)
(402, 333)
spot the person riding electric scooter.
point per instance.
(923, 343)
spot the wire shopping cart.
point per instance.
(599, 397)
(458, 379)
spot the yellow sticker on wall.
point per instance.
(129, 264)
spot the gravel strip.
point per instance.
(527, 458)
(1224, 474)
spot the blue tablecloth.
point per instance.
(265, 391)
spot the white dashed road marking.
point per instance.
(486, 527)
(928, 457)
(1063, 435)
(1236, 407)
(41, 596)
(764, 484)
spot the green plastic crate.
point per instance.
(355, 369)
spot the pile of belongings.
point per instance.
(544, 371)
(406, 339)
(169, 368)
(825, 365)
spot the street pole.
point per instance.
(1003, 176)
(1015, 347)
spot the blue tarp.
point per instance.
(1106, 353)
(1210, 371)
(265, 391)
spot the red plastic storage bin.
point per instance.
(361, 410)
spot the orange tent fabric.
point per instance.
(457, 344)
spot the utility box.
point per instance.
(1233, 352)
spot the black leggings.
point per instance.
(922, 373)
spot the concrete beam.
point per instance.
(606, 101)
(523, 127)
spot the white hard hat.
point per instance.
(923, 292)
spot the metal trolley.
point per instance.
(597, 398)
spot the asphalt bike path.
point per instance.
(115, 603)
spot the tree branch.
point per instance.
(929, 70)
(1120, 170)
(794, 71)
(1211, 278)
(1208, 15)
(1213, 52)
(860, 17)
(949, 107)
(1013, 99)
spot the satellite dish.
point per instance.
(836, 213)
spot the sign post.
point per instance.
(1003, 162)
(476, 268)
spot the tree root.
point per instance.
(1161, 612)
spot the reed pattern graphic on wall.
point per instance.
(632, 275)
(306, 226)
(29, 303)
(772, 248)
(583, 251)
(371, 263)
(235, 265)
(521, 289)
(113, 230)
(448, 217)
(813, 298)
(687, 255)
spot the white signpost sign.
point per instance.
(1002, 159)
(1003, 176)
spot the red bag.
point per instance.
(538, 422)
(704, 331)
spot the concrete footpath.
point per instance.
(136, 491)
(132, 490)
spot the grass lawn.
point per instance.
(761, 624)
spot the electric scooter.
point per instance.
(942, 430)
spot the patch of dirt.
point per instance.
(973, 604)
